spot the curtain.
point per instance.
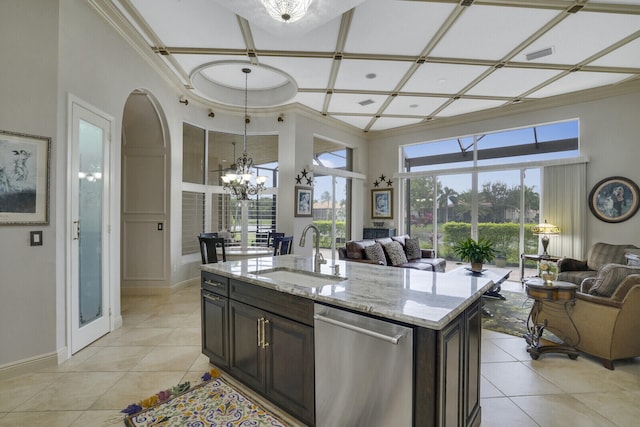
(564, 203)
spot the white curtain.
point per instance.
(564, 203)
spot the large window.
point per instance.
(482, 186)
(331, 193)
(207, 155)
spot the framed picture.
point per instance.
(304, 201)
(614, 199)
(382, 203)
(24, 178)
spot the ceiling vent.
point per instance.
(366, 102)
(539, 54)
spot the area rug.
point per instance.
(509, 315)
(212, 403)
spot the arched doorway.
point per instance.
(145, 251)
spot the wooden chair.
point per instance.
(282, 245)
(208, 248)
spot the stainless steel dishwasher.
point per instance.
(364, 370)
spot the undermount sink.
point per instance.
(299, 277)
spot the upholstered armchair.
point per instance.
(575, 271)
(605, 319)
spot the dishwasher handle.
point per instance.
(395, 339)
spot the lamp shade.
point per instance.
(545, 229)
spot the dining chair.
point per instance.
(208, 249)
(272, 236)
(282, 245)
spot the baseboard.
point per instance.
(158, 291)
(29, 365)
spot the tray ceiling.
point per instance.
(381, 64)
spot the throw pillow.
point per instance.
(376, 253)
(609, 277)
(412, 248)
(395, 253)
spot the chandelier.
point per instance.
(240, 182)
(286, 10)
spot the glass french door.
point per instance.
(90, 318)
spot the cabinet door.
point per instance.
(290, 366)
(247, 357)
(451, 405)
(215, 339)
(473, 333)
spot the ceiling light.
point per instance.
(286, 10)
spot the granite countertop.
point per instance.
(420, 298)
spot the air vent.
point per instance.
(539, 54)
(366, 102)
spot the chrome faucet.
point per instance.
(318, 259)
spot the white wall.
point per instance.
(609, 136)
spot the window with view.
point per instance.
(482, 186)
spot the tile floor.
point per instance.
(159, 347)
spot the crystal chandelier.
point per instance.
(286, 10)
(239, 183)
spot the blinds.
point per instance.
(192, 220)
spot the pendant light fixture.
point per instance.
(286, 10)
(239, 183)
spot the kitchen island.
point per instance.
(258, 325)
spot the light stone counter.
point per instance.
(426, 299)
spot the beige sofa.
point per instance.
(600, 254)
(601, 325)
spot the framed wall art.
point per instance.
(614, 199)
(303, 201)
(24, 178)
(382, 203)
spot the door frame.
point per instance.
(112, 199)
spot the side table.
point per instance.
(534, 257)
(561, 296)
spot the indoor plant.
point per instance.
(476, 252)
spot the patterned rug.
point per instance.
(510, 315)
(210, 404)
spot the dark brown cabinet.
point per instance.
(215, 318)
(264, 339)
(378, 233)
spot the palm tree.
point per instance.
(447, 195)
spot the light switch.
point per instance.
(36, 238)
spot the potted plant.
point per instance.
(476, 252)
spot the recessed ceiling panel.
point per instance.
(355, 103)
(625, 56)
(370, 75)
(384, 123)
(480, 32)
(581, 35)
(323, 39)
(357, 121)
(463, 106)
(511, 81)
(579, 80)
(395, 28)
(314, 101)
(442, 78)
(414, 105)
(192, 23)
(309, 73)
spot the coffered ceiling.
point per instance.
(382, 64)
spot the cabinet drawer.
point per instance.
(286, 305)
(215, 283)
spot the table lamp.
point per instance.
(545, 230)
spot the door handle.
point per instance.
(259, 330)
(76, 230)
(265, 344)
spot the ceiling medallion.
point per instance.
(286, 10)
